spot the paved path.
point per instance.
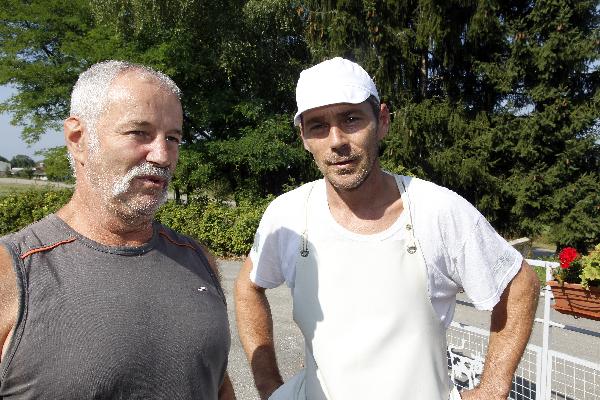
(290, 349)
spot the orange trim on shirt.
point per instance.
(46, 248)
(164, 234)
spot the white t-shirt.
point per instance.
(461, 249)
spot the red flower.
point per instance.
(566, 257)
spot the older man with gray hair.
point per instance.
(98, 300)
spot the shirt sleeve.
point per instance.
(484, 263)
(265, 255)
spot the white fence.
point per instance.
(542, 374)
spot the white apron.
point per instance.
(369, 326)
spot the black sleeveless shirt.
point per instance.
(99, 322)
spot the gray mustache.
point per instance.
(148, 169)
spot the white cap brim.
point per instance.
(333, 81)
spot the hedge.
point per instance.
(18, 210)
(226, 229)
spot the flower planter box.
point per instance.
(573, 299)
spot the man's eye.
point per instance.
(137, 133)
(316, 127)
(174, 139)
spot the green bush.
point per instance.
(228, 230)
(18, 210)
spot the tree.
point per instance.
(22, 161)
(497, 100)
(45, 45)
(3, 159)
(238, 84)
(57, 166)
(235, 61)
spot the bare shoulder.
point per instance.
(9, 297)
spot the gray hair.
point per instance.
(89, 96)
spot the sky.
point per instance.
(11, 143)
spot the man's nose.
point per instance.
(158, 152)
(337, 137)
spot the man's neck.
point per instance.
(370, 208)
(102, 225)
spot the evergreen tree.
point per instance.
(497, 100)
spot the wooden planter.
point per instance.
(573, 299)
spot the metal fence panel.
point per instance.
(567, 377)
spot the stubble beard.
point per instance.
(351, 178)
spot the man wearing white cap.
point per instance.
(374, 262)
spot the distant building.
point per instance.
(4, 168)
(39, 172)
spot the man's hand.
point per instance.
(255, 327)
(511, 324)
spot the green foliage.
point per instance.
(577, 211)
(236, 63)
(263, 160)
(541, 274)
(3, 159)
(56, 164)
(590, 275)
(21, 161)
(21, 209)
(497, 100)
(45, 45)
(226, 229)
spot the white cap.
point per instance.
(332, 82)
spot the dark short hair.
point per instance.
(375, 105)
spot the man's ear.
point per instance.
(75, 139)
(384, 121)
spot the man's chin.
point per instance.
(140, 204)
(347, 181)
(344, 184)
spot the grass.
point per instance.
(11, 189)
(7, 187)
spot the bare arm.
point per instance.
(9, 299)
(255, 327)
(511, 324)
